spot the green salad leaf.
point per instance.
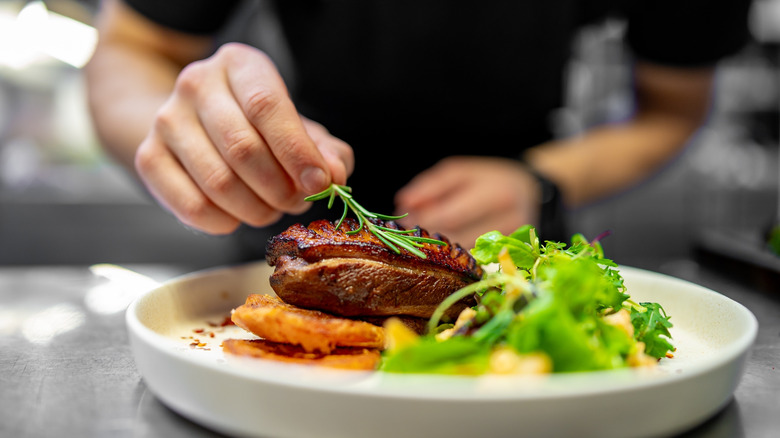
(566, 304)
(651, 326)
(774, 239)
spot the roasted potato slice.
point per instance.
(273, 320)
(351, 358)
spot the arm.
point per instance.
(464, 197)
(671, 106)
(216, 141)
(132, 73)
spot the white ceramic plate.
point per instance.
(175, 336)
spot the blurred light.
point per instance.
(19, 37)
(20, 161)
(124, 286)
(9, 322)
(69, 40)
(109, 298)
(123, 276)
(765, 20)
(35, 33)
(42, 327)
(729, 160)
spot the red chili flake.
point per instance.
(193, 345)
(211, 334)
(225, 322)
(198, 330)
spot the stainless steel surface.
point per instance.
(66, 368)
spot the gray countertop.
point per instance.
(66, 368)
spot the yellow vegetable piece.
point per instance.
(398, 335)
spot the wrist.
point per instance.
(552, 213)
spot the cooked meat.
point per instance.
(351, 358)
(321, 267)
(271, 319)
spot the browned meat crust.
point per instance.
(341, 357)
(322, 240)
(356, 275)
(273, 320)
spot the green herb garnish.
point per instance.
(391, 237)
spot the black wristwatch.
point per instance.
(552, 214)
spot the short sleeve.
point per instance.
(686, 33)
(190, 16)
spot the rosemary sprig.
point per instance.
(392, 238)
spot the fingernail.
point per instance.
(314, 179)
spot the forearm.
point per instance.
(131, 74)
(671, 106)
(125, 92)
(607, 159)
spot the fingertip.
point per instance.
(339, 173)
(339, 158)
(314, 179)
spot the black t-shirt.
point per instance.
(407, 82)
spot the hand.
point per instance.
(465, 197)
(229, 146)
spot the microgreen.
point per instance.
(391, 237)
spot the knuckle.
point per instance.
(191, 78)
(295, 149)
(146, 158)
(231, 49)
(143, 160)
(240, 146)
(261, 103)
(194, 211)
(220, 181)
(235, 53)
(228, 49)
(165, 120)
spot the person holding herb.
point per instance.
(438, 109)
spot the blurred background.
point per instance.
(62, 201)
